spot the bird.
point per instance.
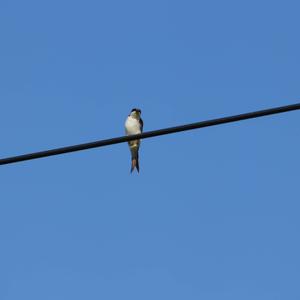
(134, 125)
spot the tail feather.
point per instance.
(135, 162)
(138, 165)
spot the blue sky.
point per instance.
(213, 214)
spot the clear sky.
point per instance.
(213, 214)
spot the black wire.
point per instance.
(149, 134)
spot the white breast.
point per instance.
(132, 126)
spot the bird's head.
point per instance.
(136, 113)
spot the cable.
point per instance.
(149, 134)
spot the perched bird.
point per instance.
(134, 125)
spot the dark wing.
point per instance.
(141, 124)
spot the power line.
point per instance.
(149, 134)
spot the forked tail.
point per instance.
(135, 161)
